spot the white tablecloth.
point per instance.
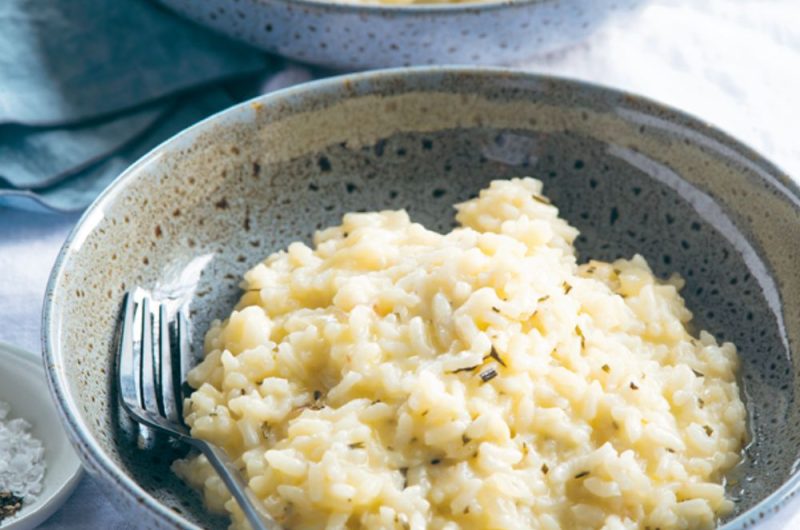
(734, 63)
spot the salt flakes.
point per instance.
(22, 463)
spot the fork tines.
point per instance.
(149, 372)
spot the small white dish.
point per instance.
(23, 386)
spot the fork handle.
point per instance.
(250, 504)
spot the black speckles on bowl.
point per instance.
(634, 177)
(360, 35)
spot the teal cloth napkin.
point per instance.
(88, 86)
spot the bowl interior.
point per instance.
(190, 219)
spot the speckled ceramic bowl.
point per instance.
(192, 216)
(355, 36)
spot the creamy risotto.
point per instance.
(392, 377)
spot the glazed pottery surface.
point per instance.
(192, 216)
(360, 36)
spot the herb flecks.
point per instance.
(634, 386)
(10, 504)
(581, 474)
(488, 375)
(316, 403)
(698, 374)
(266, 431)
(466, 369)
(709, 430)
(496, 356)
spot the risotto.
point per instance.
(392, 377)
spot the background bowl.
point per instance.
(192, 216)
(361, 36)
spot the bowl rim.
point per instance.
(99, 463)
(436, 8)
(411, 9)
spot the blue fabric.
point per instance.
(73, 193)
(63, 61)
(33, 157)
(87, 86)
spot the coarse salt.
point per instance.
(22, 464)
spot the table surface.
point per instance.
(733, 63)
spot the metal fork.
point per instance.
(149, 379)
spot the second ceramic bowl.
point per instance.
(360, 36)
(23, 387)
